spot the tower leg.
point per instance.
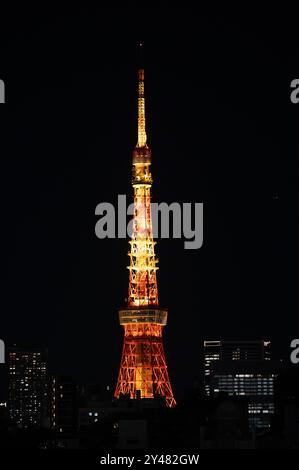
(143, 370)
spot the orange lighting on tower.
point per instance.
(143, 371)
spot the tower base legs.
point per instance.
(143, 371)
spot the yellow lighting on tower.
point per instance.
(143, 371)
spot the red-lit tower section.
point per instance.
(143, 371)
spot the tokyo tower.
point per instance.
(143, 371)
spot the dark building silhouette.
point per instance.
(3, 417)
(286, 391)
(64, 406)
(226, 426)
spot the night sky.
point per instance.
(222, 131)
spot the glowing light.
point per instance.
(143, 370)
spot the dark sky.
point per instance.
(222, 131)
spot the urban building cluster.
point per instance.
(245, 400)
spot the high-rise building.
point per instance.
(143, 371)
(243, 369)
(212, 352)
(64, 406)
(27, 387)
(258, 350)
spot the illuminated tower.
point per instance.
(143, 370)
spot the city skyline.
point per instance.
(221, 134)
(252, 401)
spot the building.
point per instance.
(233, 351)
(132, 434)
(243, 369)
(286, 392)
(226, 426)
(27, 387)
(253, 380)
(3, 417)
(95, 404)
(143, 371)
(64, 407)
(212, 352)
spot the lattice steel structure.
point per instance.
(143, 370)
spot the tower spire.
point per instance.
(141, 111)
(142, 137)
